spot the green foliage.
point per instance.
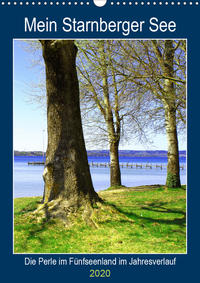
(154, 222)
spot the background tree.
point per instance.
(108, 101)
(159, 67)
(68, 184)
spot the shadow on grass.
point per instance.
(34, 229)
(29, 208)
(157, 207)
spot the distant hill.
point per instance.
(98, 153)
(135, 153)
(28, 153)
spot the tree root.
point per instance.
(70, 214)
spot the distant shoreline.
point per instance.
(105, 153)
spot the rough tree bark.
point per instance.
(173, 175)
(173, 170)
(68, 184)
(113, 137)
(115, 174)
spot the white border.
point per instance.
(87, 3)
(134, 254)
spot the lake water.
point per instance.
(28, 179)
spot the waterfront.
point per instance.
(28, 179)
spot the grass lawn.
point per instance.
(154, 221)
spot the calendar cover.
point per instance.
(99, 140)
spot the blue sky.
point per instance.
(29, 120)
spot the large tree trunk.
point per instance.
(173, 170)
(68, 184)
(173, 174)
(115, 174)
